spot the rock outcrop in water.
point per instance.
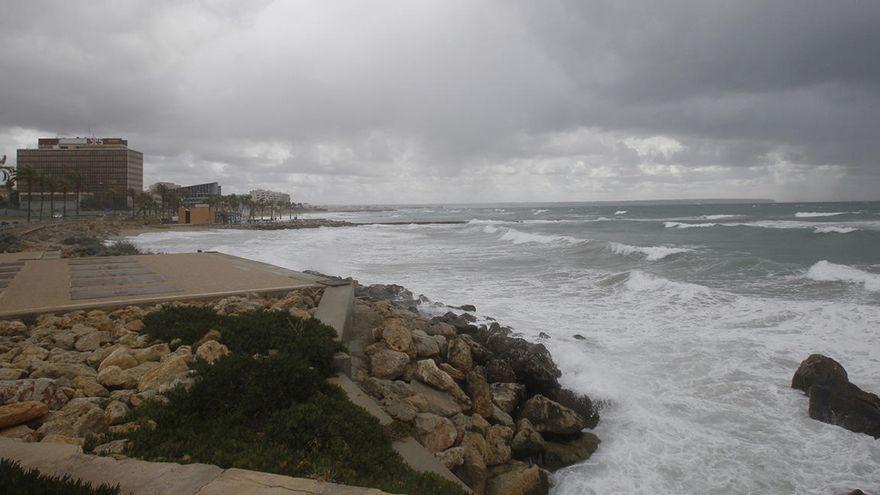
(488, 404)
(833, 399)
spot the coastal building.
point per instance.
(266, 196)
(100, 165)
(196, 215)
(198, 193)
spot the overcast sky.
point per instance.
(461, 101)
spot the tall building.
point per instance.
(270, 197)
(103, 164)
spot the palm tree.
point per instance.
(75, 179)
(52, 185)
(27, 175)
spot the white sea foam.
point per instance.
(652, 253)
(811, 214)
(490, 229)
(520, 237)
(834, 229)
(682, 225)
(718, 217)
(538, 212)
(620, 212)
(825, 271)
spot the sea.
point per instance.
(691, 320)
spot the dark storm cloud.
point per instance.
(461, 101)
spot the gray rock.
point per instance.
(552, 417)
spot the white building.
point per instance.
(270, 197)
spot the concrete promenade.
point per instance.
(39, 283)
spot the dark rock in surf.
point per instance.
(468, 307)
(461, 324)
(543, 335)
(530, 362)
(578, 336)
(397, 294)
(833, 399)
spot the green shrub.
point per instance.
(259, 332)
(15, 479)
(267, 406)
(90, 246)
(187, 323)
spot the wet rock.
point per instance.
(834, 400)
(578, 336)
(388, 364)
(548, 416)
(507, 396)
(441, 329)
(21, 412)
(543, 335)
(474, 471)
(436, 433)
(500, 417)
(397, 294)
(499, 370)
(461, 324)
(558, 455)
(579, 403)
(520, 479)
(468, 307)
(818, 370)
(530, 362)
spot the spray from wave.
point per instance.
(651, 253)
(825, 271)
(812, 214)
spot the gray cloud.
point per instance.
(461, 101)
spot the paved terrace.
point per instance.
(41, 282)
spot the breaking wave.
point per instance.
(520, 237)
(652, 253)
(620, 212)
(825, 271)
(682, 225)
(811, 214)
(834, 229)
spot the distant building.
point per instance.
(199, 193)
(270, 197)
(196, 214)
(105, 165)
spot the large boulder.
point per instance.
(171, 371)
(10, 328)
(427, 372)
(436, 433)
(548, 416)
(498, 440)
(451, 457)
(439, 402)
(121, 357)
(507, 396)
(579, 403)
(397, 336)
(211, 351)
(834, 400)
(527, 441)
(21, 412)
(560, 454)
(63, 370)
(91, 341)
(427, 346)
(388, 364)
(530, 362)
(459, 354)
(152, 353)
(499, 370)
(473, 468)
(480, 394)
(520, 479)
(77, 418)
(114, 377)
(818, 370)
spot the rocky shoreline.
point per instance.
(488, 404)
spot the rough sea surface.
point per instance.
(695, 317)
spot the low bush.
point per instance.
(267, 406)
(89, 246)
(15, 479)
(187, 323)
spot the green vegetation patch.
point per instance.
(90, 246)
(268, 407)
(15, 479)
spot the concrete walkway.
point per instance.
(45, 285)
(154, 478)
